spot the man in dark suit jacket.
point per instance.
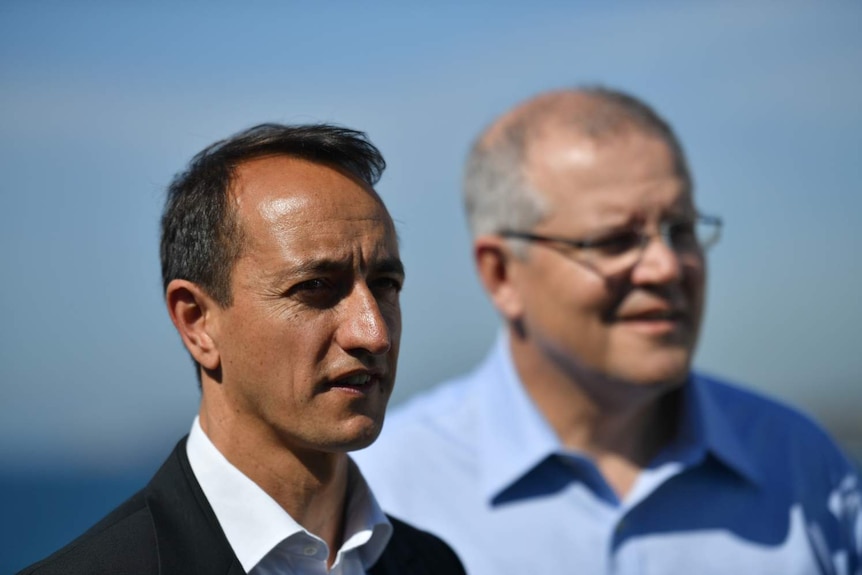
(169, 527)
(282, 276)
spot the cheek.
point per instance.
(575, 303)
(287, 348)
(695, 285)
(393, 322)
(595, 298)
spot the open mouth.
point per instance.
(361, 382)
(357, 380)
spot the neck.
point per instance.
(310, 485)
(621, 425)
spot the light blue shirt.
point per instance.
(748, 486)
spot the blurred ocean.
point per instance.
(41, 513)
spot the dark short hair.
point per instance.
(201, 238)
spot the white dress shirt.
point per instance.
(265, 538)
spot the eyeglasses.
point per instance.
(620, 251)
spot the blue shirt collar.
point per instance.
(516, 437)
(706, 428)
(513, 432)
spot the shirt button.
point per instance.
(309, 550)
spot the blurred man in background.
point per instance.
(584, 443)
(282, 276)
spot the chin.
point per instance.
(652, 363)
(659, 373)
(358, 434)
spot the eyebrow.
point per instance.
(389, 265)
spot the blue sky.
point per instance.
(101, 103)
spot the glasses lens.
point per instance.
(708, 232)
(612, 255)
(619, 254)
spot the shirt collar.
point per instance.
(516, 437)
(366, 527)
(708, 426)
(254, 523)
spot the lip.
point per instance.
(357, 382)
(655, 321)
(654, 327)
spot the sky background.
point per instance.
(101, 103)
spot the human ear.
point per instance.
(191, 310)
(495, 264)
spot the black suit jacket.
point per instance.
(169, 528)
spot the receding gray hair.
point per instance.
(497, 193)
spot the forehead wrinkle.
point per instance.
(304, 267)
(667, 197)
(314, 266)
(284, 219)
(596, 195)
(317, 230)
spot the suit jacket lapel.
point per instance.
(390, 563)
(398, 557)
(191, 542)
(189, 538)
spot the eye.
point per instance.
(615, 244)
(386, 285)
(310, 285)
(317, 292)
(682, 234)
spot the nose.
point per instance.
(659, 263)
(363, 327)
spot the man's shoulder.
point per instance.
(744, 403)
(123, 537)
(412, 546)
(769, 424)
(126, 539)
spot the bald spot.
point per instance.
(591, 117)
